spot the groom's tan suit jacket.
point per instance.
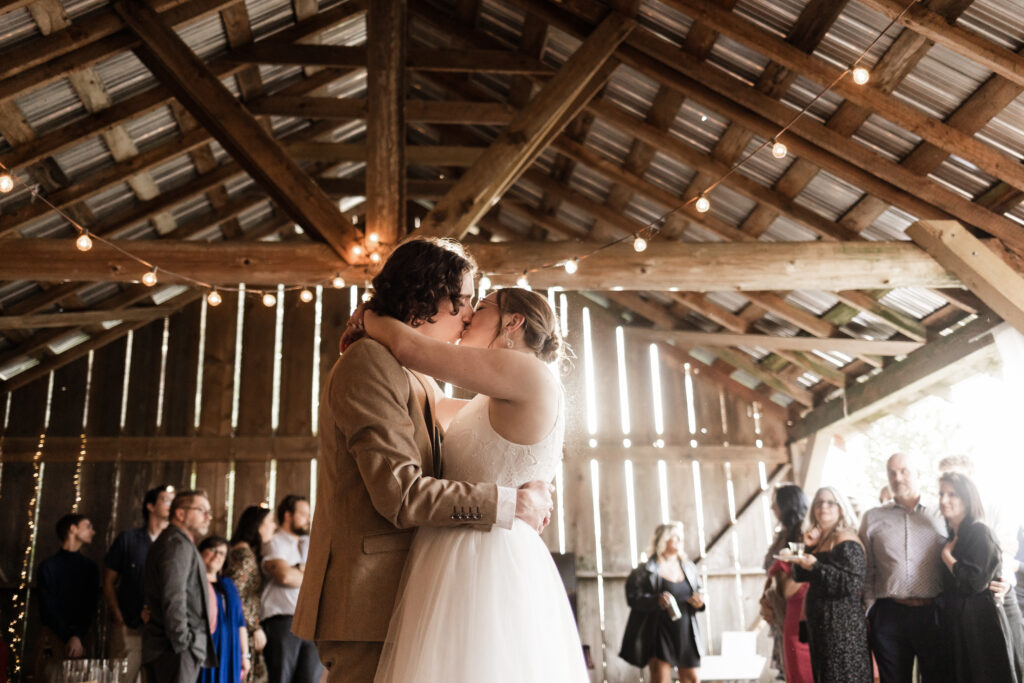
(375, 485)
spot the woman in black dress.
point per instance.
(653, 638)
(834, 566)
(976, 627)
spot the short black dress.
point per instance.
(676, 644)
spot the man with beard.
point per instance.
(289, 658)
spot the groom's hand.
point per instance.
(534, 504)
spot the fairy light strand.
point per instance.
(86, 240)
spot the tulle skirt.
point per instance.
(481, 606)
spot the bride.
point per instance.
(486, 605)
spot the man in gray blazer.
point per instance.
(176, 642)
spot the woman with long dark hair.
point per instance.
(975, 625)
(255, 527)
(230, 638)
(782, 604)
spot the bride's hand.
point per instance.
(353, 329)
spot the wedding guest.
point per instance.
(176, 639)
(123, 569)
(290, 659)
(255, 527)
(231, 638)
(834, 566)
(976, 627)
(783, 601)
(68, 590)
(664, 596)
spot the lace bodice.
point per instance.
(474, 452)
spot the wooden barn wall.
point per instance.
(226, 362)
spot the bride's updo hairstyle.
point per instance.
(540, 328)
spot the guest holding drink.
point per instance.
(664, 595)
(230, 637)
(783, 602)
(975, 625)
(834, 566)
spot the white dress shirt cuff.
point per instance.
(506, 507)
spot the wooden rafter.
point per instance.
(167, 56)
(846, 345)
(527, 135)
(694, 267)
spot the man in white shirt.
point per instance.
(289, 658)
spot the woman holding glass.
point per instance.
(834, 566)
(664, 595)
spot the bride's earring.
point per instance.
(508, 339)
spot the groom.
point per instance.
(379, 460)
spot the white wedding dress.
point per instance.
(478, 605)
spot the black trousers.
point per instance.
(899, 633)
(290, 659)
(171, 667)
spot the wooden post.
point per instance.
(385, 122)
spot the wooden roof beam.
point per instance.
(416, 111)
(694, 267)
(195, 86)
(934, 26)
(995, 282)
(847, 345)
(528, 133)
(948, 138)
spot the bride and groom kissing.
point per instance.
(426, 564)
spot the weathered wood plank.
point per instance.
(182, 370)
(255, 393)
(297, 358)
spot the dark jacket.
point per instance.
(643, 587)
(177, 595)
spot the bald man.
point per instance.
(903, 542)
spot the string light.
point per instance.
(703, 204)
(84, 242)
(214, 298)
(306, 295)
(485, 282)
(366, 296)
(6, 183)
(639, 244)
(779, 150)
(338, 282)
(150, 278)
(18, 600)
(78, 474)
(375, 257)
(357, 250)
(269, 300)
(861, 75)
(523, 281)
(373, 238)
(572, 265)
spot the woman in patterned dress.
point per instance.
(834, 566)
(255, 527)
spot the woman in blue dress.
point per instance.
(230, 637)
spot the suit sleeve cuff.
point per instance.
(506, 507)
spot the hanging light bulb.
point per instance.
(523, 281)
(571, 266)
(269, 300)
(366, 296)
(375, 257)
(338, 282)
(639, 244)
(150, 278)
(84, 242)
(357, 250)
(779, 150)
(373, 238)
(6, 182)
(861, 75)
(214, 298)
(485, 282)
(702, 204)
(305, 295)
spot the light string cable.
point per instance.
(84, 240)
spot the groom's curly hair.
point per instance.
(418, 278)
